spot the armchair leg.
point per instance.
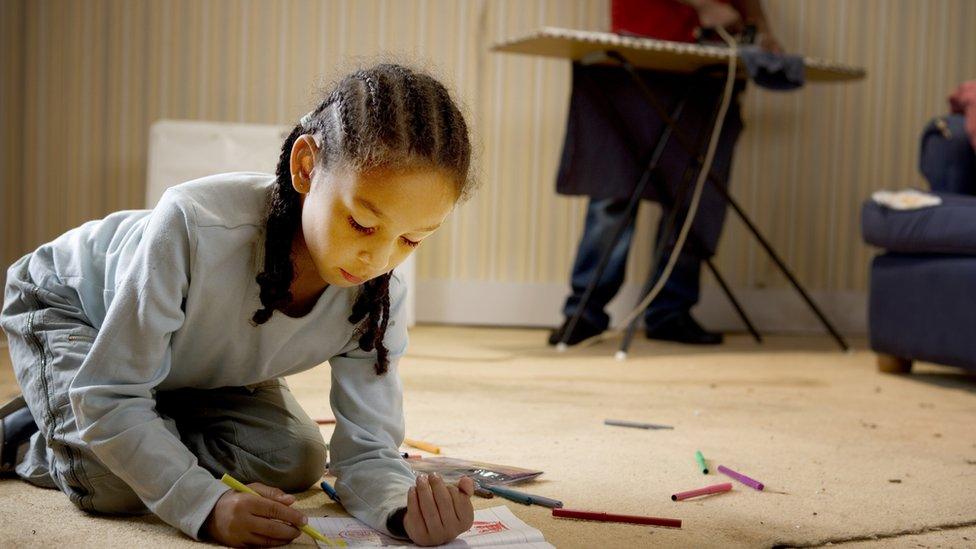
(889, 364)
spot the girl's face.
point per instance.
(358, 226)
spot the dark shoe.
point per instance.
(582, 330)
(16, 427)
(682, 328)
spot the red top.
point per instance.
(661, 19)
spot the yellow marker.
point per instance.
(238, 486)
(421, 445)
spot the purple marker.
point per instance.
(740, 477)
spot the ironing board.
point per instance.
(649, 53)
(632, 53)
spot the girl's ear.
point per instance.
(303, 156)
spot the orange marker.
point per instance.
(421, 445)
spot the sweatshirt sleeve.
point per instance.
(372, 477)
(113, 393)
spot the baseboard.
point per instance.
(779, 310)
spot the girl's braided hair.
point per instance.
(387, 116)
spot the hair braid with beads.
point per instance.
(387, 116)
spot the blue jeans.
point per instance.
(604, 160)
(679, 294)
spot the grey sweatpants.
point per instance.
(258, 433)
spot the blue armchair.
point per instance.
(922, 301)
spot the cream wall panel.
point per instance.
(83, 81)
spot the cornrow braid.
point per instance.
(373, 306)
(385, 116)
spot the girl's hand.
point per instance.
(436, 512)
(244, 519)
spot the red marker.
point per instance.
(325, 421)
(713, 489)
(609, 517)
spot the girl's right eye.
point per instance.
(360, 228)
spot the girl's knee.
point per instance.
(302, 465)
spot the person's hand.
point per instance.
(769, 43)
(244, 519)
(712, 14)
(436, 512)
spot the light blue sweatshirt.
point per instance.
(171, 292)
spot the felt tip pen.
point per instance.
(701, 462)
(752, 483)
(527, 499)
(610, 517)
(330, 491)
(714, 489)
(635, 424)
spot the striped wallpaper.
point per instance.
(82, 81)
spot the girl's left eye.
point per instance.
(360, 228)
(410, 243)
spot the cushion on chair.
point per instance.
(949, 228)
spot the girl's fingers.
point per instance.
(463, 509)
(267, 508)
(274, 530)
(456, 496)
(276, 494)
(466, 485)
(257, 540)
(413, 521)
(428, 508)
(445, 503)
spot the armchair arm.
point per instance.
(946, 157)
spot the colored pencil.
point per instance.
(740, 477)
(713, 489)
(610, 517)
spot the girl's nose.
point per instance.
(377, 257)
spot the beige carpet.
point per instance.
(846, 453)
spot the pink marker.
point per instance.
(740, 477)
(713, 489)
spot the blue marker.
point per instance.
(528, 499)
(330, 491)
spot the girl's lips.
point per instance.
(351, 278)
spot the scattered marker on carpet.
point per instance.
(522, 497)
(330, 491)
(421, 445)
(713, 489)
(741, 478)
(610, 517)
(325, 421)
(635, 424)
(701, 462)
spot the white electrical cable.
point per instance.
(696, 197)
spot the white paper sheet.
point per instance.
(493, 527)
